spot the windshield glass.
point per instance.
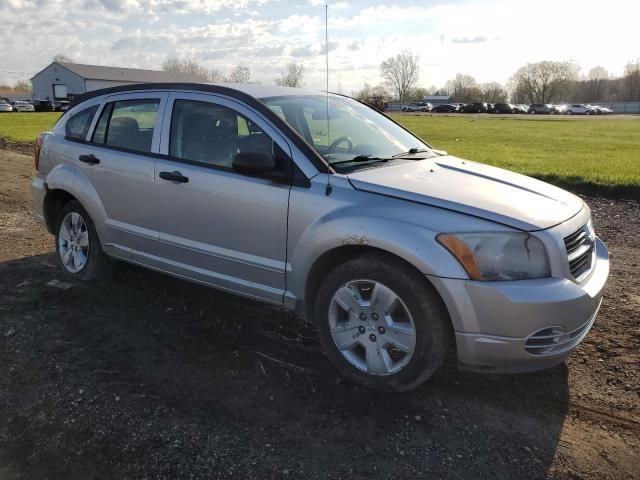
(352, 130)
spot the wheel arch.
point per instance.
(54, 201)
(334, 257)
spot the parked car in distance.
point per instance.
(505, 108)
(580, 109)
(43, 105)
(476, 107)
(406, 252)
(542, 108)
(417, 107)
(22, 106)
(62, 105)
(444, 108)
(5, 107)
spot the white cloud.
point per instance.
(488, 39)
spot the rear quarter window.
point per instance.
(78, 124)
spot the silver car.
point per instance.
(318, 203)
(22, 106)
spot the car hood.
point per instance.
(474, 189)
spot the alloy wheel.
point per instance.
(372, 327)
(73, 242)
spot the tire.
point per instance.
(88, 261)
(417, 309)
(587, 112)
(569, 112)
(532, 112)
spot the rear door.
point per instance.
(118, 159)
(218, 226)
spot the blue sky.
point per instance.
(487, 39)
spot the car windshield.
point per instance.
(350, 133)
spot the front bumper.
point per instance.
(525, 325)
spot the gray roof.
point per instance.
(437, 97)
(118, 74)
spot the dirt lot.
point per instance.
(145, 376)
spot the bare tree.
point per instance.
(493, 92)
(292, 77)
(23, 86)
(62, 58)
(376, 97)
(545, 82)
(598, 73)
(239, 74)
(463, 88)
(401, 72)
(186, 65)
(631, 81)
(216, 76)
(416, 94)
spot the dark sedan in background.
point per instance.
(446, 108)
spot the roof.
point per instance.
(118, 74)
(437, 97)
(252, 90)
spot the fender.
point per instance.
(406, 230)
(69, 178)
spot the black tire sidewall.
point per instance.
(426, 308)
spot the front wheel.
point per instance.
(78, 248)
(381, 324)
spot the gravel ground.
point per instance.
(146, 376)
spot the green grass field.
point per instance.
(584, 153)
(25, 126)
(587, 154)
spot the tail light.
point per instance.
(36, 156)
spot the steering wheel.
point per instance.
(338, 141)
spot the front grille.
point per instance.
(579, 251)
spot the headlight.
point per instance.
(498, 256)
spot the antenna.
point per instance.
(326, 51)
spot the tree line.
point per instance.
(540, 82)
(291, 77)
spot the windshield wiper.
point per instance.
(411, 151)
(363, 158)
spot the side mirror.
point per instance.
(259, 164)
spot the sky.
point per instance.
(487, 39)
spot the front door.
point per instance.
(216, 225)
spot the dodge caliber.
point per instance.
(397, 251)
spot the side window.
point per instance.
(213, 134)
(100, 132)
(78, 125)
(128, 124)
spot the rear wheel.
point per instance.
(587, 112)
(78, 248)
(381, 324)
(569, 112)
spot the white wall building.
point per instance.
(63, 81)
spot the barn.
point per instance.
(63, 81)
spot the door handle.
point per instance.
(175, 176)
(90, 159)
